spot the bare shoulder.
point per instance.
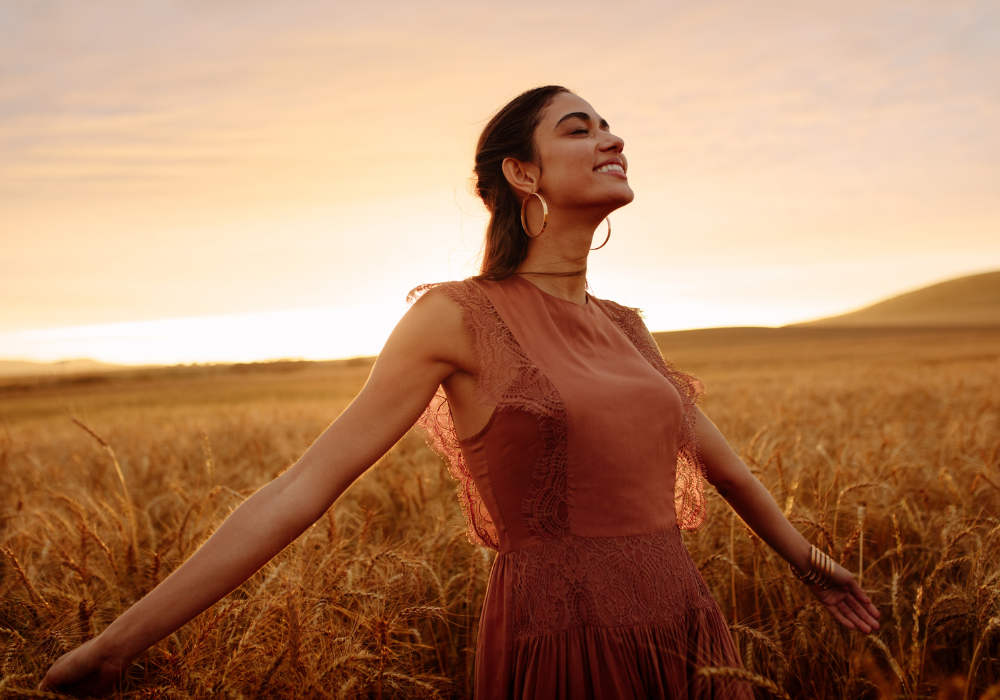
(426, 348)
(433, 329)
(438, 312)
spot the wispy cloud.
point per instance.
(165, 159)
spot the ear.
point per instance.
(522, 176)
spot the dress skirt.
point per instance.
(619, 618)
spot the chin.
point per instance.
(606, 198)
(624, 197)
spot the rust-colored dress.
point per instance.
(580, 480)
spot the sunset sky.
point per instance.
(185, 181)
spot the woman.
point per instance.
(579, 453)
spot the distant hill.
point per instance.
(20, 368)
(966, 301)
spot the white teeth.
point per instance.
(611, 166)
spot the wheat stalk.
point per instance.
(32, 591)
(993, 625)
(744, 675)
(126, 496)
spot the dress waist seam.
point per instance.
(601, 538)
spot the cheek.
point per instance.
(569, 167)
(567, 184)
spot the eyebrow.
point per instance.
(582, 116)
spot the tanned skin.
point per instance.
(431, 346)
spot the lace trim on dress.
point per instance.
(507, 381)
(603, 581)
(689, 493)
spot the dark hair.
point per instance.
(509, 134)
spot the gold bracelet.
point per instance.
(821, 569)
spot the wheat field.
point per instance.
(882, 446)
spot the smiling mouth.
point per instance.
(610, 168)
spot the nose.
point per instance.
(613, 143)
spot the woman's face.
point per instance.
(581, 161)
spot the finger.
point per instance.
(858, 606)
(870, 607)
(50, 681)
(842, 620)
(873, 611)
(853, 617)
(859, 593)
(863, 606)
(839, 616)
(863, 612)
(846, 611)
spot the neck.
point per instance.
(557, 260)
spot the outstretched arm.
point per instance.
(424, 348)
(755, 505)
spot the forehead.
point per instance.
(566, 103)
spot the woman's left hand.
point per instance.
(847, 602)
(756, 506)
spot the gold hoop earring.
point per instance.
(606, 238)
(545, 215)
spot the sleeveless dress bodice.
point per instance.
(581, 480)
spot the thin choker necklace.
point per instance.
(574, 273)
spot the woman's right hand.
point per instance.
(88, 669)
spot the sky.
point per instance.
(235, 181)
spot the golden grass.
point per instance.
(883, 447)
